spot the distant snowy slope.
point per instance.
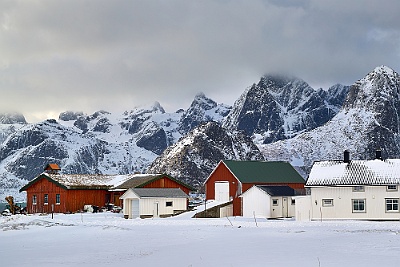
(369, 119)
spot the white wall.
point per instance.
(147, 206)
(255, 201)
(342, 203)
(303, 208)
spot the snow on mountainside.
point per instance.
(369, 119)
(281, 107)
(99, 143)
(201, 110)
(193, 158)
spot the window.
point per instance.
(293, 201)
(275, 202)
(34, 200)
(391, 188)
(168, 204)
(327, 202)
(57, 199)
(392, 205)
(359, 188)
(46, 199)
(358, 205)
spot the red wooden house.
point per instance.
(62, 193)
(232, 178)
(65, 193)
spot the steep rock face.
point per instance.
(193, 157)
(368, 120)
(201, 110)
(279, 108)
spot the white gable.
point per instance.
(357, 172)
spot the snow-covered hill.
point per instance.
(193, 158)
(369, 119)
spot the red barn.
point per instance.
(232, 178)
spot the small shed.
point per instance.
(269, 202)
(153, 202)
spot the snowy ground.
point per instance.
(107, 239)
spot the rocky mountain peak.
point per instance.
(12, 118)
(281, 107)
(377, 88)
(202, 109)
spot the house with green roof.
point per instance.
(232, 178)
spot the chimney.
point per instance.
(378, 154)
(346, 156)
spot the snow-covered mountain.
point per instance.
(283, 116)
(193, 158)
(99, 143)
(369, 120)
(281, 107)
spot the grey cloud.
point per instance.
(91, 55)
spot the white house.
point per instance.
(352, 189)
(268, 202)
(153, 202)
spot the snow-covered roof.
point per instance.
(81, 181)
(356, 172)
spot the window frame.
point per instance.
(58, 199)
(169, 204)
(359, 200)
(392, 204)
(325, 202)
(275, 202)
(359, 188)
(392, 189)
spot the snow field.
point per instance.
(106, 238)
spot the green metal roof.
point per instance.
(264, 171)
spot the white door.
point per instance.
(135, 208)
(222, 191)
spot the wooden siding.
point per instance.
(70, 200)
(221, 173)
(165, 182)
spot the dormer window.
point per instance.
(358, 188)
(391, 188)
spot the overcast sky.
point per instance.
(115, 55)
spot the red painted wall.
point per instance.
(221, 173)
(70, 200)
(165, 182)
